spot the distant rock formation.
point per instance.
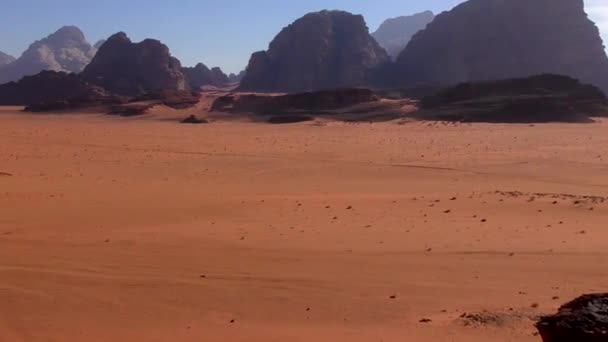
(65, 50)
(542, 98)
(394, 34)
(51, 90)
(585, 319)
(200, 75)
(498, 39)
(5, 59)
(322, 50)
(132, 69)
(236, 78)
(99, 43)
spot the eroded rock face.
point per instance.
(322, 50)
(542, 98)
(498, 39)
(394, 34)
(200, 75)
(583, 320)
(65, 50)
(5, 59)
(132, 69)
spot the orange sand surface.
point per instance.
(117, 229)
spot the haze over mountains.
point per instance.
(5, 59)
(65, 50)
(394, 33)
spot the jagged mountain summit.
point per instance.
(321, 50)
(65, 50)
(200, 75)
(394, 33)
(131, 69)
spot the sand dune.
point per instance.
(146, 230)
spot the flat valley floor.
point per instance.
(116, 229)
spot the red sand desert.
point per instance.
(115, 229)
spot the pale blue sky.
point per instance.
(216, 32)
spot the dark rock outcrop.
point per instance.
(322, 50)
(5, 59)
(65, 50)
(52, 90)
(132, 69)
(543, 98)
(583, 320)
(394, 34)
(201, 75)
(193, 119)
(316, 102)
(498, 39)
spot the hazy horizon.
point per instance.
(211, 33)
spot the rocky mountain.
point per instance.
(131, 69)
(394, 34)
(327, 49)
(5, 59)
(65, 50)
(498, 39)
(236, 78)
(200, 75)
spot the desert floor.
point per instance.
(116, 229)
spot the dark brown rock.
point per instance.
(498, 39)
(542, 98)
(200, 75)
(322, 50)
(394, 34)
(583, 320)
(192, 119)
(51, 90)
(133, 69)
(289, 119)
(65, 50)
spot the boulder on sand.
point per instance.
(585, 319)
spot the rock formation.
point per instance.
(65, 50)
(5, 59)
(53, 90)
(201, 75)
(542, 98)
(322, 50)
(498, 39)
(236, 78)
(394, 34)
(132, 69)
(583, 320)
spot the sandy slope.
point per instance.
(116, 229)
